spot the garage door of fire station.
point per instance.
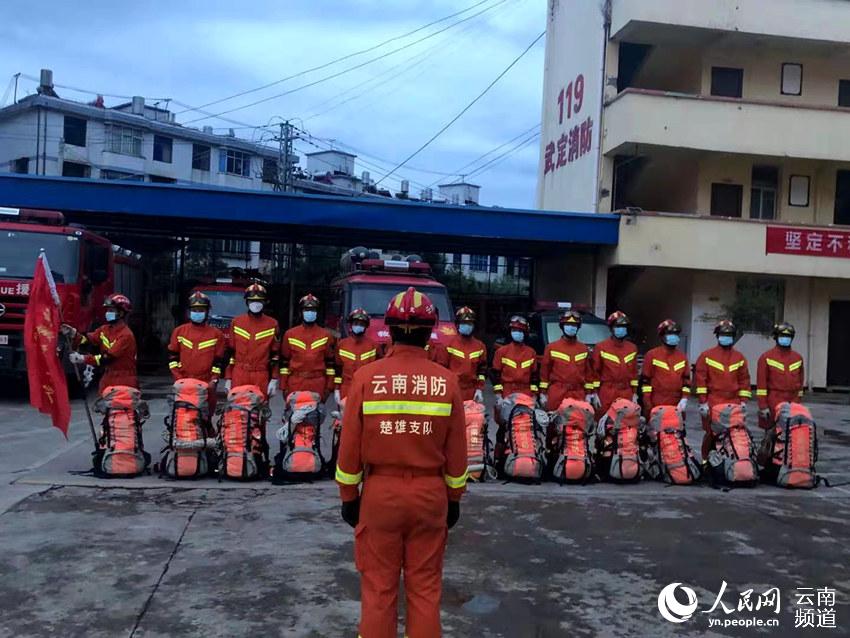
(838, 361)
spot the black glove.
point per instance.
(453, 514)
(350, 511)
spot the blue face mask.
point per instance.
(465, 329)
(518, 336)
(620, 332)
(571, 331)
(671, 340)
(197, 316)
(310, 316)
(785, 342)
(725, 340)
(358, 330)
(111, 316)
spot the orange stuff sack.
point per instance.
(476, 439)
(618, 451)
(795, 448)
(732, 461)
(187, 429)
(526, 457)
(574, 422)
(121, 450)
(675, 460)
(300, 456)
(243, 451)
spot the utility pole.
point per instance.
(284, 152)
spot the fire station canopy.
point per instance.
(170, 210)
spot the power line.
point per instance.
(349, 69)
(466, 108)
(496, 160)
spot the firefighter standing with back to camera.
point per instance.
(779, 375)
(566, 371)
(403, 438)
(666, 373)
(467, 357)
(615, 364)
(721, 375)
(307, 354)
(254, 343)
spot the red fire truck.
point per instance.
(86, 268)
(369, 282)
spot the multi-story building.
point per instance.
(722, 129)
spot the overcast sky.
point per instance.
(198, 52)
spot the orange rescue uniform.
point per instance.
(403, 437)
(721, 375)
(437, 353)
(196, 351)
(467, 358)
(779, 378)
(307, 360)
(666, 377)
(254, 343)
(115, 351)
(566, 372)
(616, 371)
(352, 353)
(514, 370)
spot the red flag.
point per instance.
(48, 386)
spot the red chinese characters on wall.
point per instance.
(576, 141)
(824, 242)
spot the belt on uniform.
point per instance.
(403, 472)
(252, 367)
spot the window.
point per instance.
(844, 93)
(159, 179)
(727, 82)
(201, 157)
(75, 131)
(74, 169)
(123, 140)
(792, 79)
(763, 192)
(798, 190)
(510, 266)
(21, 165)
(457, 260)
(842, 198)
(525, 268)
(234, 162)
(122, 175)
(494, 264)
(237, 248)
(759, 304)
(162, 149)
(726, 200)
(270, 175)
(478, 263)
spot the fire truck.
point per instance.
(369, 281)
(86, 267)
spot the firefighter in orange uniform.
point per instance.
(353, 352)
(666, 373)
(196, 350)
(565, 372)
(112, 344)
(467, 357)
(254, 343)
(721, 376)
(779, 375)
(615, 364)
(307, 354)
(403, 437)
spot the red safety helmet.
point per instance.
(358, 314)
(465, 315)
(255, 292)
(570, 318)
(308, 301)
(618, 318)
(519, 323)
(119, 302)
(199, 300)
(725, 327)
(411, 309)
(668, 326)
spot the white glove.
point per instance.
(593, 399)
(227, 385)
(76, 358)
(499, 398)
(635, 398)
(765, 413)
(703, 409)
(68, 331)
(274, 384)
(478, 397)
(744, 406)
(213, 384)
(682, 405)
(337, 396)
(543, 399)
(600, 427)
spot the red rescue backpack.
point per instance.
(733, 459)
(618, 451)
(243, 450)
(188, 430)
(573, 424)
(791, 461)
(674, 461)
(121, 451)
(300, 456)
(526, 455)
(476, 440)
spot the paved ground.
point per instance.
(147, 557)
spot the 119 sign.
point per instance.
(571, 97)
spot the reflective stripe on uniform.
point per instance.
(242, 332)
(773, 363)
(476, 355)
(338, 380)
(209, 343)
(97, 359)
(661, 364)
(795, 366)
(737, 366)
(105, 341)
(368, 355)
(318, 343)
(345, 354)
(216, 370)
(330, 372)
(481, 377)
(186, 342)
(559, 355)
(646, 388)
(527, 364)
(421, 408)
(456, 482)
(173, 364)
(760, 392)
(534, 388)
(284, 370)
(296, 342)
(634, 383)
(714, 364)
(609, 356)
(348, 479)
(745, 394)
(497, 388)
(457, 353)
(680, 365)
(589, 386)
(264, 333)
(544, 385)
(232, 360)
(508, 362)
(629, 357)
(702, 390)
(686, 390)
(581, 356)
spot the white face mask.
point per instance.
(358, 330)
(256, 307)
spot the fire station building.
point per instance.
(721, 131)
